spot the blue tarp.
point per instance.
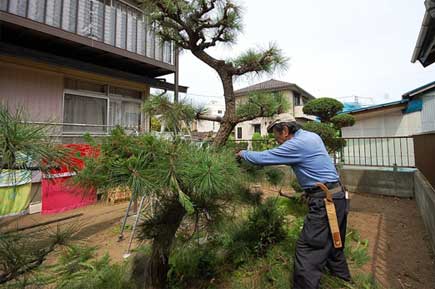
(350, 106)
(414, 105)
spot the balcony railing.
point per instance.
(299, 113)
(112, 22)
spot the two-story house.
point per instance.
(81, 65)
(213, 109)
(296, 96)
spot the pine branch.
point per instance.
(261, 105)
(259, 61)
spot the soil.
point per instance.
(398, 245)
(401, 257)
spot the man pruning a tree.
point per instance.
(305, 152)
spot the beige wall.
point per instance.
(38, 92)
(248, 126)
(389, 122)
(39, 88)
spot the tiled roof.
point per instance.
(270, 85)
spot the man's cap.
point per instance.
(281, 118)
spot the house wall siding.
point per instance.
(248, 126)
(428, 113)
(38, 92)
(385, 124)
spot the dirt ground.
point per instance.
(398, 245)
(401, 257)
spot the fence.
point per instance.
(370, 151)
(425, 155)
(378, 152)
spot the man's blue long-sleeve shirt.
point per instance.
(305, 153)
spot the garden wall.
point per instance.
(379, 181)
(425, 198)
(402, 184)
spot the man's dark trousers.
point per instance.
(315, 250)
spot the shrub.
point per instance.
(343, 120)
(325, 108)
(193, 262)
(326, 132)
(329, 129)
(296, 186)
(274, 175)
(263, 228)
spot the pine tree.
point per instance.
(332, 121)
(198, 25)
(182, 179)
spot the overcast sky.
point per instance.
(337, 48)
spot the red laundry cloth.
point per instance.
(59, 193)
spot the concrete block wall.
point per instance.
(402, 184)
(379, 181)
(425, 198)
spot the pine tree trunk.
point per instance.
(158, 266)
(223, 133)
(229, 120)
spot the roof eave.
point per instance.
(379, 107)
(421, 37)
(288, 87)
(419, 90)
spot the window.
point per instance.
(297, 99)
(80, 109)
(100, 104)
(257, 128)
(125, 114)
(239, 132)
(76, 84)
(219, 111)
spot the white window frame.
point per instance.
(86, 94)
(120, 98)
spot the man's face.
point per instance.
(282, 136)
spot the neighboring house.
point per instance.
(214, 109)
(413, 114)
(82, 65)
(296, 96)
(384, 120)
(423, 98)
(424, 50)
(385, 134)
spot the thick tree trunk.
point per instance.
(229, 120)
(223, 133)
(158, 266)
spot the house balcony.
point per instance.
(299, 113)
(108, 33)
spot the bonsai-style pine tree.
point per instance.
(197, 25)
(331, 121)
(180, 177)
(24, 146)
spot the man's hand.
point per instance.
(239, 156)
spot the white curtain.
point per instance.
(141, 37)
(17, 7)
(80, 109)
(36, 10)
(53, 13)
(131, 114)
(69, 20)
(109, 29)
